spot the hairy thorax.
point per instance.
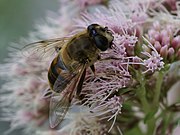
(79, 50)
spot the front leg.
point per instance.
(93, 68)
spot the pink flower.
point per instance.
(154, 61)
(25, 106)
(112, 75)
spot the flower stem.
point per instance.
(149, 108)
(158, 88)
(141, 92)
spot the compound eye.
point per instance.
(101, 43)
(93, 32)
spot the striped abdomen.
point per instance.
(58, 75)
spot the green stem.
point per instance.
(155, 104)
(151, 124)
(141, 91)
(149, 108)
(158, 88)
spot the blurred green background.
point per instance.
(17, 19)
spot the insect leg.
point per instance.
(93, 68)
(80, 83)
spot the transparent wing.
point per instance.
(58, 109)
(59, 104)
(44, 48)
(65, 78)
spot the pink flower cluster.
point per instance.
(26, 107)
(166, 40)
(139, 43)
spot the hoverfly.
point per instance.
(67, 70)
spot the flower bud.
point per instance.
(171, 53)
(164, 51)
(157, 46)
(176, 42)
